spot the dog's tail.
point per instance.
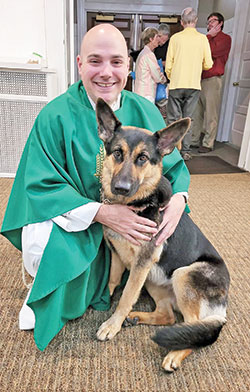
(190, 335)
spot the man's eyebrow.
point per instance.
(117, 56)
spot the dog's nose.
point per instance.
(122, 188)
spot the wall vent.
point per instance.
(23, 93)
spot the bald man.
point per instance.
(54, 215)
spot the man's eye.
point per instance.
(94, 61)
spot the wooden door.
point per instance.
(242, 86)
(122, 21)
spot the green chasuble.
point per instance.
(59, 171)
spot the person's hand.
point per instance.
(215, 30)
(172, 214)
(124, 221)
(163, 78)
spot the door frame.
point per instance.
(229, 94)
(244, 158)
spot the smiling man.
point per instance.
(55, 215)
(103, 64)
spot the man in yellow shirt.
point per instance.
(188, 55)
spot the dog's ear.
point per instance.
(106, 121)
(169, 137)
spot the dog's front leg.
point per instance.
(116, 270)
(136, 280)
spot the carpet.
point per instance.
(210, 165)
(76, 362)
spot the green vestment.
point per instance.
(58, 172)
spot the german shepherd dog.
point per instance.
(186, 273)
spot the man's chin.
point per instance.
(107, 97)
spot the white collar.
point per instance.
(115, 105)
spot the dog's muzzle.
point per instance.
(122, 188)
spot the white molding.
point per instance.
(244, 158)
(233, 66)
(25, 67)
(21, 98)
(7, 175)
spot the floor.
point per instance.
(225, 151)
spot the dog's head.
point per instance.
(133, 164)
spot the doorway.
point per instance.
(132, 25)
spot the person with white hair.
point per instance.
(147, 70)
(163, 36)
(188, 55)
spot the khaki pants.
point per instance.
(206, 115)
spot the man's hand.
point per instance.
(215, 30)
(124, 221)
(172, 214)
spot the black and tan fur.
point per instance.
(185, 273)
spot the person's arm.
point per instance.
(220, 46)
(120, 218)
(79, 218)
(169, 60)
(154, 68)
(175, 169)
(172, 214)
(124, 221)
(207, 58)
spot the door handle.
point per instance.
(235, 84)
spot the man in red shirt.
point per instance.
(211, 86)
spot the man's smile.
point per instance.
(101, 84)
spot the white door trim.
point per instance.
(244, 158)
(229, 95)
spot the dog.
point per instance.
(186, 273)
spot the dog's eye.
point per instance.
(117, 155)
(142, 159)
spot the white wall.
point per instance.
(22, 29)
(205, 8)
(55, 29)
(34, 26)
(225, 7)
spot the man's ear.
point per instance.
(106, 121)
(169, 137)
(79, 64)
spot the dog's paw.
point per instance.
(130, 321)
(109, 329)
(169, 364)
(173, 360)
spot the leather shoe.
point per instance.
(186, 156)
(204, 150)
